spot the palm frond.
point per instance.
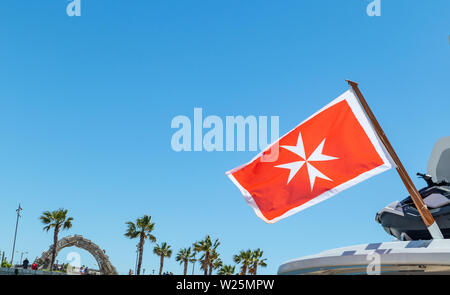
(56, 219)
(131, 231)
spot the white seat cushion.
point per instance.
(436, 201)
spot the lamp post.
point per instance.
(15, 234)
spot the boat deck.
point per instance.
(398, 257)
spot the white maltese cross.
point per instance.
(316, 156)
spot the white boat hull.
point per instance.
(399, 257)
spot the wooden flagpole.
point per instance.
(416, 197)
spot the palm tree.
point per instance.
(227, 270)
(142, 229)
(185, 256)
(59, 221)
(244, 258)
(204, 264)
(207, 247)
(162, 251)
(215, 262)
(257, 260)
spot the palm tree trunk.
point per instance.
(210, 269)
(185, 267)
(161, 264)
(141, 252)
(255, 268)
(55, 242)
(244, 270)
(206, 263)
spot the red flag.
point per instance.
(329, 152)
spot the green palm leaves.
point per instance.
(227, 270)
(243, 258)
(58, 220)
(141, 229)
(162, 251)
(185, 256)
(250, 260)
(210, 261)
(257, 260)
(209, 253)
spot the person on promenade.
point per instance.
(25, 263)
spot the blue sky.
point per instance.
(86, 105)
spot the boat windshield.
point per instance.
(439, 163)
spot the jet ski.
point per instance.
(402, 219)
